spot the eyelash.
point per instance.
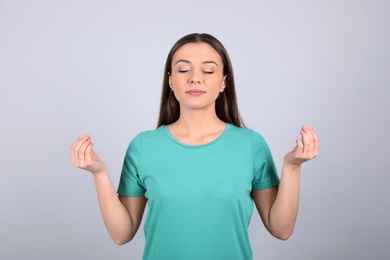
(207, 72)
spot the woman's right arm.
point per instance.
(121, 215)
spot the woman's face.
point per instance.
(197, 76)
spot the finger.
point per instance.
(75, 148)
(312, 144)
(81, 151)
(88, 153)
(305, 141)
(309, 131)
(316, 144)
(299, 147)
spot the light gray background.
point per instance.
(74, 67)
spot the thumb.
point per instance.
(299, 147)
(93, 153)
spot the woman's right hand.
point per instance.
(84, 157)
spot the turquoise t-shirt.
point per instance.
(199, 202)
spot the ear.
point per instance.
(223, 85)
(170, 81)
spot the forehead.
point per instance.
(197, 52)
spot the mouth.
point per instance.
(195, 92)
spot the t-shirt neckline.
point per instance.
(199, 145)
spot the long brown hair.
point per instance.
(226, 106)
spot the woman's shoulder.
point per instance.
(243, 131)
(146, 137)
(151, 133)
(247, 134)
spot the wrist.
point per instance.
(291, 166)
(99, 172)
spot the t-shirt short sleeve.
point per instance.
(265, 173)
(130, 183)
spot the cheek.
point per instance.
(219, 84)
(176, 90)
(177, 81)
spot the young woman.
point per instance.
(201, 171)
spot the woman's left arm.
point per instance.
(278, 206)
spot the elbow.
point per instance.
(283, 234)
(121, 236)
(120, 241)
(282, 228)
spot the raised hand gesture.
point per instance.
(84, 157)
(306, 149)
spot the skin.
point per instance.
(197, 66)
(121, 215)
(278, 206)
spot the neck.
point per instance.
(195, 127)
(198, 121)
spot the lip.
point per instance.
(195, 92)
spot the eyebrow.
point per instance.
(205, 62)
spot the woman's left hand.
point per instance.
(306, 149)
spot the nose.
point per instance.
(192, 81)
(195, 78)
